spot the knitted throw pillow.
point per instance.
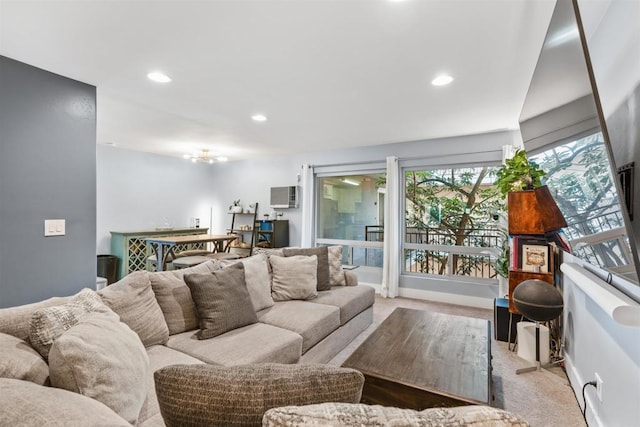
(205, 395)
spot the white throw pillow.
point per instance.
(294, 277)
(102, 358)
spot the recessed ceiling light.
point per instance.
(442, 80)
(159, 77)
(259, 118)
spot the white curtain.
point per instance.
(307, 206)
(508, 152)
(390, 268)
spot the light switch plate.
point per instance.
(54, 227)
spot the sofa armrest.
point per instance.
(350, 278)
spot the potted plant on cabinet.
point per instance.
(518, 173)
(235, 207)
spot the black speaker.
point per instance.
(501, 321)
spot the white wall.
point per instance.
(140, 191)
(595, 343)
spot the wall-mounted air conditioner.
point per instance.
(284, 197)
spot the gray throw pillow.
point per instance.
(222, 300)
(174, 297)
(294, 277)
(50, 323)
(257, 278)
(104, 359)
(20, 361)
(323, 277)
(208, 395)
(133, 300)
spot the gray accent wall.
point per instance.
(47, 171)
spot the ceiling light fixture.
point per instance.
(350, 182)
(259, 118)
(203, 157)
(442, 80)
(159, 77)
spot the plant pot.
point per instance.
(236, 209)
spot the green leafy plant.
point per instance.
(234, 203)
(518, 174)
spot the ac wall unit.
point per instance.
(284, 197)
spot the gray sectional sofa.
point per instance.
(158, 307)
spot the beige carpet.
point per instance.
(542, 398)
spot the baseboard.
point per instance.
(576, 381)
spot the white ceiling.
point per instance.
(327, 73)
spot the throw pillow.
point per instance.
(294, 277)
(26, 404)
(20, 361)
(51, 322)
(336, 275)
(16, 320)
(348, 414)
(257, 279)
(222, 300)
(174, 297)
(239, 395)
(104, 359)
(323, 263)
(133, 300)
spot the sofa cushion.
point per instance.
(336, 275)
(159, 357)
(351, 300)
(294, 277)
(313, 321)
(222, 300)
(212, 395)
(16, 320)
(174, 297)
(21, 361)
(104, 359)
(134, 301)
(257, 278)
(323, 263)
(26, 404)
(257, 343)
(50, 323)
(348, 414)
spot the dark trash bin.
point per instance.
(108, 268)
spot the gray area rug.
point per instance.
(543, 398)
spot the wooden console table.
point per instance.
(132, 249)
(419, 359)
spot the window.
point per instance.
(350, 212)
(452, 222)
(580, 173)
